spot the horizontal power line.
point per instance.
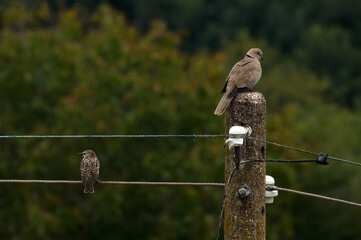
(315, 196)
(194, 136)
(113, 182)
(118, 136)
(204, 184)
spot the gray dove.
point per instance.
(244, 74)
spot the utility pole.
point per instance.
(245, 207)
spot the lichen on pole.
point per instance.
(244, 216)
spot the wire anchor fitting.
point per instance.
(235, 141)
(322, 158)
(271, 192)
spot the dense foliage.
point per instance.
(321, 35)
(77, 71)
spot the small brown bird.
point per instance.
(89, 170)
(244, 74)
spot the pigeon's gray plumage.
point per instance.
(244, 74)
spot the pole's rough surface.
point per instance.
(245, 217)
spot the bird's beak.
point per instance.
(80, 153)
(262, 58)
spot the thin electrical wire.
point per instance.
(281, 145)
(205, 184)
(314, 195)
(39, 181)
(113, 182)
(223, 200)
(118, 136)
(279, 161)
(194, 136)
(344, 160)
(304, 151)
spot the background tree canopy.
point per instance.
(131, 67)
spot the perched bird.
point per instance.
(244, 74)
(89, 170)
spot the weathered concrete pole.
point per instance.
(244, 217)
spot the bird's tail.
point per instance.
(88, 187)
(223, 104)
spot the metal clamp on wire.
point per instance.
(235, 141)
(322, 158)
(271, 192)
